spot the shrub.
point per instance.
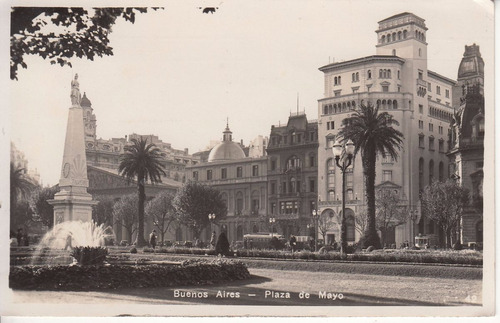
(133, 250)
(193, 272)
(89, 255)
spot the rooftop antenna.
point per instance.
(297, 103)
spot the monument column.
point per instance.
(72, 202)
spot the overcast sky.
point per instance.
(178, 73)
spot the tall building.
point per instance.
(467, 140)
(242, 181)
(293, 174)
(398, 81)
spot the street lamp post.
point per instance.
(272, 221)
(315, 214)
(413, 217)
(211, 218)
(343, 164)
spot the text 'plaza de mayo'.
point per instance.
(291, 174)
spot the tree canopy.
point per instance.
(444, 202)
(60, 34)
(391, 212)
(162, 211)
(125, 213)
(372, 133)
(194, 202)
(44, 210)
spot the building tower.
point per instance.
(467, 141)
(73, 203)
(398, 81)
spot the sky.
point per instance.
(179, 73)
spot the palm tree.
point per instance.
(372, 133)
(20, 187)
(142, 161)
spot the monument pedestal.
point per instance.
(72, 206)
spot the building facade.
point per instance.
(293, 174)
(467, 141)
(242, 182)
(398, 81)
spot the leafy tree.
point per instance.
(360, 221)
(20, 187)
(102, 213)
(194, 202)
(325, 223)
(372, 133)
(162, 211)
(39, 204)
(125, 214)
(444, 202)
(22, 215)
(390, 212)
(142, 161)
(60, 34)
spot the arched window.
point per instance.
(239, 203)
(344, 106)
(348, 105)
(389, 38)
(384, 104)
(421, 174)
(389, 74)
(357, 76)
(383, 39)
(389, 104)
(369, 74)
(325, 109)
(353, 77)
(399, 75)
(335, 108)
(378, 103)
(394, 104)
(340, 80)
(394, 36)
(399, 35)
(335, 81)
(405, 34)
(330, 109)
(441, 171)
(353, 105)
(393, 52)
(293, 163)
(380, 74)
(431, 171)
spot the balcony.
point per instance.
(421, 82)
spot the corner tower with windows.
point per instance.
(397, 80)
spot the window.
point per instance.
(421, 143)
(273, 187)
(387, 175)
(431, 127)
(283, 188)
(195, 176)
(438, 89)
(385, 88)
(311, 136)
(399, 75)
(440, 130)
(420, 108)
(447, 93)
(441, 145)
(388, 159)
(431, 143)
(209, 174)
(420, 75)
(330, 140)
(223, 173)
(312, 185)
(239, 171)
(273, 164)
(255, 205)
(393, 52)
(420, 124)
(369, 74)
(330, 186)
(429, 87)
(337, 93)
(255, 170)
(312, 161)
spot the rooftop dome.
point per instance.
(85, 101)
(227, 149)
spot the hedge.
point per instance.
(191, 272)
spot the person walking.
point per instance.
(69, 241)
(293, 242)
(152, 239)
(213, 240)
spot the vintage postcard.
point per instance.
(248, 158)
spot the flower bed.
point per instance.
(192, 272)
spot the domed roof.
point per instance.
(85, 101)
(227, 149)
(472, 64)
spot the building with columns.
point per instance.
(242, 181)
(467, 141)
(396, 79)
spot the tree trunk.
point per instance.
(141, 242)
(371, 237)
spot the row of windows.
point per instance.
(291, 186)
(438, 113)
(294, 138)
(223, 173)
(438, 90)
(431, 127)
(421, 143)
(383, 74)
(295, 162)
(441, 175)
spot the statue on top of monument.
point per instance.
(76, 97)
